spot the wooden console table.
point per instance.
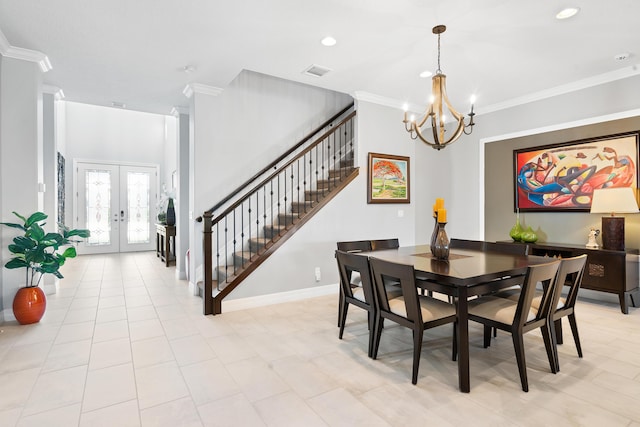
(606, 270)
(166, 243)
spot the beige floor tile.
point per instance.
(10, 417)
(233, 411)
(109, 386)
(67, 355)
(230, 348)
(180, 412)
(209, 381)
(107, 331)
(21, 357)
(56, 389)
(122, 415)
(61, 417)
(256, 378)
(191, 349)
(159, 384)
(339, 407)
(136, 314)
(151, 351)
(288, 409)
(15, 388)
(111, 314)
(75, 332)
(80, 315)
(145, 329)
(303, 376)
(110, 353)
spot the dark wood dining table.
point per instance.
(466, 273)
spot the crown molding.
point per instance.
(611, 76)
(57, 93)
(600, 79)
(24, 54)
(192, 88)
(177, 110)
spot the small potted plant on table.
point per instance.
(38, 253)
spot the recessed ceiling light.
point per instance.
(116, 104)
(188, 69)
(328, 41)
(426, 74)
(567, 13)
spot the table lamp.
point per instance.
(613, 200)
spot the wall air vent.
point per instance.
(316, 70)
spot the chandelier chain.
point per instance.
(438, 71)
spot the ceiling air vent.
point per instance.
(316, 71)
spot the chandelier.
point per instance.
(435, 115)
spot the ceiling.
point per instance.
(135, 52)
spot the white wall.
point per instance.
(110, 134)
(346, 217)
(20, 159)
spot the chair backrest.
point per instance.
(355, 246)
(507, 248)
(378, 245)
(347, 264)
(476, 245)
(384, 272)
(540, 273)
(570, 274)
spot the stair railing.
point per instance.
(263, 214)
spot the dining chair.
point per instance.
(351, 246)
(410, 310)
(570, 277)
(476, 245)
(520, 317)
(360, 296)
(381, 244)
(507, 248)
(355, 246)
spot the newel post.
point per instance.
(207, 296)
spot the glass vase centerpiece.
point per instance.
(440, 246)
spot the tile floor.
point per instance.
(124, 344)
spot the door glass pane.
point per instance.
(138, 208)
(98, 197)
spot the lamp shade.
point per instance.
(614, 200)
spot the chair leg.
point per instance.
(574, 330)
(343, 317)
(558, 326)
(371, 317)
(376, 337)
(549, 345)
(454, 355)
(417, 348)
(340, 304)
(487, 336)
(518, 346)
(495, 332)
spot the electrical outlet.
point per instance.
(318, 275)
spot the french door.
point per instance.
(117, 204)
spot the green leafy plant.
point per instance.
(38, 251)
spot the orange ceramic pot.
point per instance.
(29, 305)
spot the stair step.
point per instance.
(270, 231)
(287, 219)
(340, 172)
(300, 207)
(314, 195)
(256, 243)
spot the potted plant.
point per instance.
(38, 253)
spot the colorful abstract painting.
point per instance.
(562, 177)
(388, 179)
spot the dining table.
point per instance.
(466, 273)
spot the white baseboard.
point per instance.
(270, 299)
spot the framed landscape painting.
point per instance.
(562, 177)
(388, 179)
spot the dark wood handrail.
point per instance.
(273, 164)
(270, 177)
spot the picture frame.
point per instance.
(561, 177)
(388, 179)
